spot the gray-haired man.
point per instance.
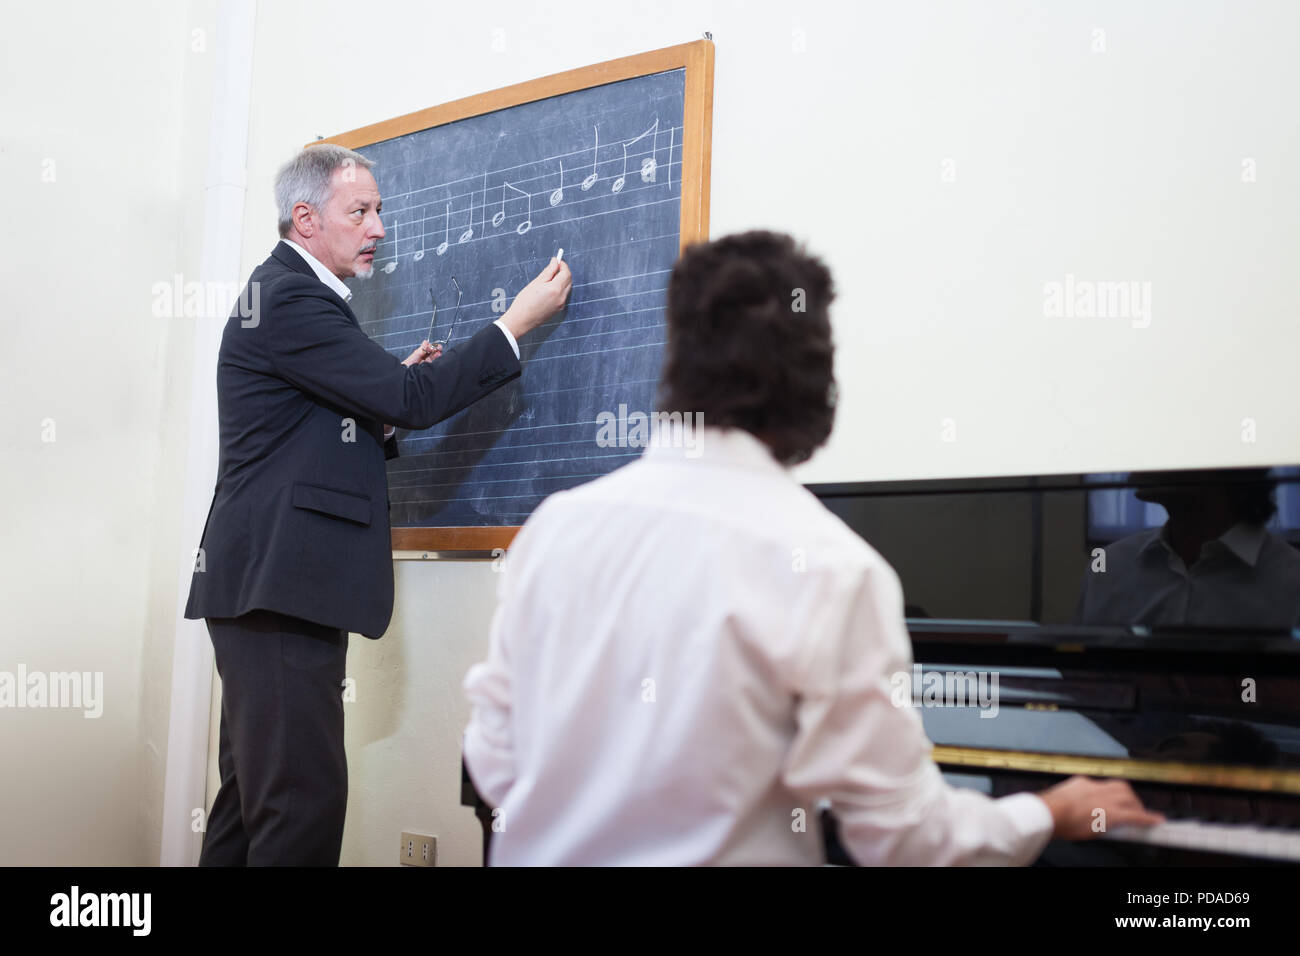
(296, 553)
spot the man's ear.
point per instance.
(304, 219)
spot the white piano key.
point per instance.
(1242, 839)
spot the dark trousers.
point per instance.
(470, 797)
(284, 775)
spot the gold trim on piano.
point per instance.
(1203, 775)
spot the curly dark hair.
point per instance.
(749, 341)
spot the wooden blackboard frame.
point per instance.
(697, 60)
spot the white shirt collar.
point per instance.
(1243, 539)
(329, 278)
(689, 439)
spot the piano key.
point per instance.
(1236, 838)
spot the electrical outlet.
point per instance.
(419, 849)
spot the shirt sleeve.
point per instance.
(860, 744)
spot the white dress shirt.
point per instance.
(330, 279)
(344, 293)
(688, 655)
(1245, 578)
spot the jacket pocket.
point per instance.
(330, 501)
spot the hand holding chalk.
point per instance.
(540, 299)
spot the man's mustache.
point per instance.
(370, 248)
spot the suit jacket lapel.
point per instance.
(290, 259)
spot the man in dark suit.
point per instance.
(296, 551)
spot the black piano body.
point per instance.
(1140, 626)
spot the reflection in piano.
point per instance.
(1136, 626)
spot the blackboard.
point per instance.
(473, 208)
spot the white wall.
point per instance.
(1118, 165)
(832, 121)
(115, 97)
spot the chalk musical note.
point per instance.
(672, 130)
(590, 180)
(482, 222)
(527, 224)
(469, 231)
(649, 164)
(558, 194)
(388, 269)
(500, 215)
(420, 255)
(446, 231)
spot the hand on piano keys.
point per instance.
(1202, 825)
(1078, 804)
(1238, 825)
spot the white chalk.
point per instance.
(559, 256)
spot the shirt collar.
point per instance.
(329, 278)
(1243, 539)
(687, 440)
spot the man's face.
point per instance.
(349, 227)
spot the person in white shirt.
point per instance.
(1212, 564)
(691, 653)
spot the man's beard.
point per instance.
(366, 271)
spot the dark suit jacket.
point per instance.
(299, 518)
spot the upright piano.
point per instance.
(1141, 626)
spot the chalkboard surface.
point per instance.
(473, 210)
